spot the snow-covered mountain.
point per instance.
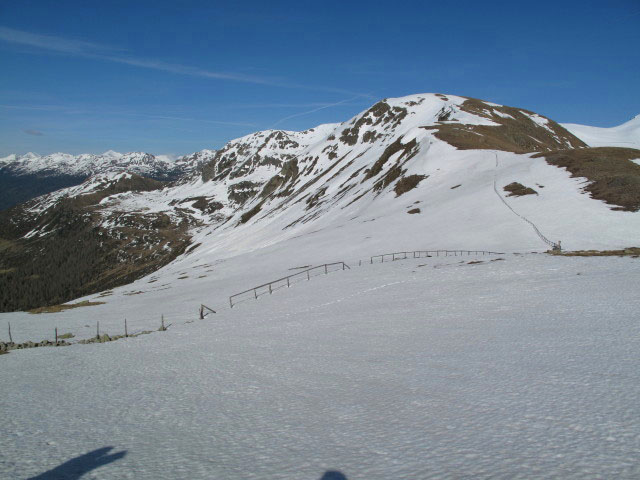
(515, 365)
(426, 169)
(23, 177)
(85, 165)
(625, 135)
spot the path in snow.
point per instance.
(533, 225)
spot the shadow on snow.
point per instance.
(77, 467)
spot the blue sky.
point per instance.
(176, 77)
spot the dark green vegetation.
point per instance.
(16, 189)
(516, 189)
(613, 177)
(516, 131)
(74, 255)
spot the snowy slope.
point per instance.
(625, 135)
(521, 366)
(89, 164)
(430, 368)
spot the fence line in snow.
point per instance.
(419, 253)
(288, 280)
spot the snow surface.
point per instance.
(625, 135)
(421, 368)
(525, 367)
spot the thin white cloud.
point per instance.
(109, 54)
(329, 105)
(49, 42)
(76, 111)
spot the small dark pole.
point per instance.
(325, 268)
(308, 277)
(162, 323)
(97, 330)
(56, 335)
(10, 338)
(360, 263)
(255, 293)
(288, 285)
(201, 312)
(270, 290)
(231, 303)
(126, 333)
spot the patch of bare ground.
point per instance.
(516, 189)
(248, 215)
(633, 252)
(413, 211)
(613, 177)
(62, 308)
(515, 131)
(407, 183)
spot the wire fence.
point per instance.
(429, 253)
(286, 282)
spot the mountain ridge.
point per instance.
(444, 159)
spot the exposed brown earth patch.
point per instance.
(627, 252)
(613, 177)
(516, 189)
(62, 308)
(515, 131)
(407, 183)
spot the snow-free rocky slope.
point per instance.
(23, 177)
(411, 172)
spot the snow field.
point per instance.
(520, 368)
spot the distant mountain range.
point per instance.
(428, 169)
(23, 177)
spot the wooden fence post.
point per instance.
(56, 335)
(270, 290)
(308, 277)
(126, 333)
(288, 285)
(325, 269)
(97, 330)
(231, 303)
(255, 293)
(10, 338)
